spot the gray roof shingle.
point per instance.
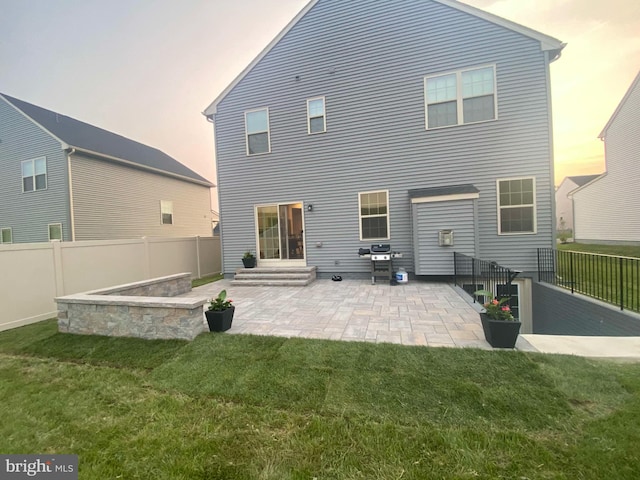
(94, 139)
(581, 180)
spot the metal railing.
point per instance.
(608, 278)
(472, 274)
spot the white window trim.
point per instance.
(268, 131)
(46, 175)
(49, 232)
(360, 217)
(10, 233)
(168, 203)
(459, 96)
(324, 115)
(534, 205)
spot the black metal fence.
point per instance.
(472, 274)
(612, 279)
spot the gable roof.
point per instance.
(547, 43)
(72, 133)
(581, 180)
(635, 82)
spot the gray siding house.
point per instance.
(62, 179)
(389, 122)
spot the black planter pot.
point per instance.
(500, 333)
(219, 321)
(249, 262)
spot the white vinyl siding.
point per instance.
(6, 235)
(34, 174)
(257, 130)
(55, 231)
(166, 212)
(456, 98)
(374, 215)
(316, 116)
(516, 205)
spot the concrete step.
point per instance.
(272, 283)
(285, 277)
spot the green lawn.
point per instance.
(197, 282)
(617, 250)
(248, 407)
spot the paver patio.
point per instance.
(417, 313)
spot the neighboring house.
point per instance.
(389, 122)
(65, 179)
(564, 205)
(607, 210)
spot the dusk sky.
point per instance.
(146, 69)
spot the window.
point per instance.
(257, 126)
(55, 231)
(374, 216)
(6, 235)
(516, 206)
(316, 120)
(166, 212)
(34, 174)
(465, 96)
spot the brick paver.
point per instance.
(417, 313)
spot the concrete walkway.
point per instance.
(417, 313)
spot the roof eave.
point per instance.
(211, 109)
(140, 166)
(603, 133)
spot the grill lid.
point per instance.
(381, 248)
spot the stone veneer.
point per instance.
(147, 309)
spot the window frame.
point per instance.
(46, 174)
(533, 205)
(61, 232)
(360, 216)
(268, 131)
(2, 230)
(323, 116)
(460, 96)
(166, 211)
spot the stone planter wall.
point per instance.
(147, 309)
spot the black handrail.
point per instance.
(609, 278)
(472, 274)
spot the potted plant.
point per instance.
(220, 313)
(249, 259)
(500, 327)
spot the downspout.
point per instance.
(552, 180)
(70, 151)
(215, 153)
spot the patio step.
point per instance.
(280, 277)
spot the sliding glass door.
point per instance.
(280, 234)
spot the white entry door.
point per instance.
(280, 234)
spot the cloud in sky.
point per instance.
(146, 69)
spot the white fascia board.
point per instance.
(211, 109)
(140, 166)
(63, 144)
(547, 42)
(603, 133)
(446, 198)
(570, 194)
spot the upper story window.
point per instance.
(516, 205)
(55, 231)
(374, 215)
(257, 128)
(6, 235)
(34, 174)
(465, 96)
(316, 118)
(166, 212)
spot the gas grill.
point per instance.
(381, 258)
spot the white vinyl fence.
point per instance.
(33, 274)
